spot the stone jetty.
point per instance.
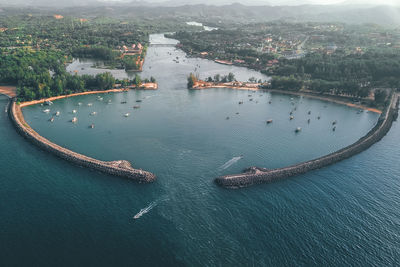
(120, 168)
(256, 175)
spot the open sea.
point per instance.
(53, 213)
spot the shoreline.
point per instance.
(8, 90)
(333, 99)
(153, 86)
(256, 175)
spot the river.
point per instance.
(54, 213)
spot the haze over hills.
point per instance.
(348, 11)
(63, 3)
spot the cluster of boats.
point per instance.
(291, 116)
(93, 113)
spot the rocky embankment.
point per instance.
(119, 168)
(256, 175)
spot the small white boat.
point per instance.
(298, 129)
(90, 104)
(52, 119)
(93, 113)
(79, 104)
(58, 113)
(127, 114)
(48, 103)
(91, 126)
(291, 117)
(74, 111)
(99, 98)
(74, 120)
(46, 110)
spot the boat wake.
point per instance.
(230, 163)
(147, 209)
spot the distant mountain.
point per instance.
(233, 13)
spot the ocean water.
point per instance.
(54, 213)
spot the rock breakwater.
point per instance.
(256, 175)
(120, 168)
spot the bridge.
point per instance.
(162, 45)
(10, 91)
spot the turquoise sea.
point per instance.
(53, 213)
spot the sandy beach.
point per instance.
(10, 91)
(146, 86)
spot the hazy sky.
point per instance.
(289, 2)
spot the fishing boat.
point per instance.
(291, 117)
(46, 110)
(298, 129)
(123, 102)
(74, 120)
(138, 101)
(269, 121)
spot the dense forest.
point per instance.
(42, 74)
(353, 75)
